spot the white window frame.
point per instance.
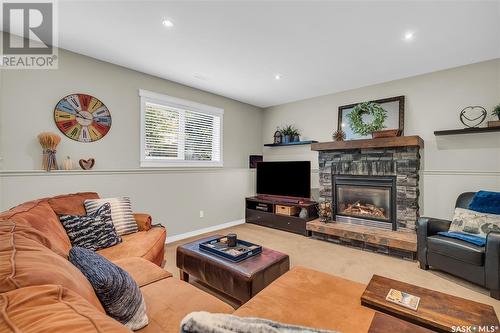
(174, 102)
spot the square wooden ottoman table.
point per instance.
(239, 280)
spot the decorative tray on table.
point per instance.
(241, 251)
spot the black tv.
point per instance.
(285, 179)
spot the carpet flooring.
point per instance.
(346, 262)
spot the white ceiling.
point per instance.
(234, 48)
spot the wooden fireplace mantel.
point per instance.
(398, 141)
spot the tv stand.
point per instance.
(280, 199)
(262, 210)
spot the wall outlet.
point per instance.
(202, 214)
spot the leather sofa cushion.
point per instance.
(168, 301)
(310, 298)
(145, 244)
(457, 249)
(39, 215)
(52, 309)
(142, 271)
(26, 262)
(71, 204)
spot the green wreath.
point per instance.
(356, 118)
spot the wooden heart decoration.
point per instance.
(473, 116)
(86, 164)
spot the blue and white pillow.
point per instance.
(121, 213)
(94, 231)
(118, 293)
(475, 223)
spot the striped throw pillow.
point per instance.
(119, 294)
(94, 231)
(121, 213)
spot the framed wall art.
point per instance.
(394, 106)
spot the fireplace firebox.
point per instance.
(365, 200)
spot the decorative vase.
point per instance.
(286, 138)
(49, 142)
(296, 138)
(49, 161)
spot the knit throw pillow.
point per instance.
(474, 223)
(118, 292)
(94, 231)
(121, 213)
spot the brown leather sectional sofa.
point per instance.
(41, 291)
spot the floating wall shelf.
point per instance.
(397, 141)
(298, 143)
(467, 130)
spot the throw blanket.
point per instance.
(476, 240)
(486, 202)
(204, 322)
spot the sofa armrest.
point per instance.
(428, 226)
(492, 261)
(144, 221)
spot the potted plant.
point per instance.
(496, 111)
(290, 134)
(295, 135)
(286, 131)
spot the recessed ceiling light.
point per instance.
(409, 35)
(166, 22)
(277, 76)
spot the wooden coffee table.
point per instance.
(383, 323)
(437, 311)
(239, 280)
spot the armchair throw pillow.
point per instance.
(474, 223)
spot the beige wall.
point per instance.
(29, 97)
(451, 164)
(175, 197)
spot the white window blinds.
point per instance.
(177, 132)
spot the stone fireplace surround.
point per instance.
(402, 162)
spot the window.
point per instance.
(179, 133)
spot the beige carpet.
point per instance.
(350, 263)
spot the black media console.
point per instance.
(280, 213)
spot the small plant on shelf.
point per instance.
(290, 134)
(496, 111)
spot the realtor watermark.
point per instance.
(29, 35)
(475, 328)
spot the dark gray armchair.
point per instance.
(480, 265)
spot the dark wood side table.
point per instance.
(436, 311)
(241, 280)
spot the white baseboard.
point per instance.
(175, 238)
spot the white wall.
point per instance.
(173, 197)
(451, 164)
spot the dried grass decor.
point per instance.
(49, 142)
